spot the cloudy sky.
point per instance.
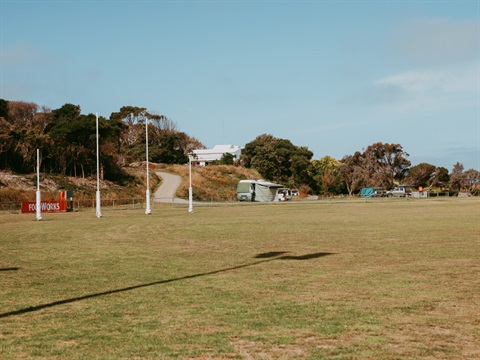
(334, 76)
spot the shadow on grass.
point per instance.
(9, 269)
(289, 257)
(270, 256)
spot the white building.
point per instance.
(206, 156)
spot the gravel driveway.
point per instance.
(168, 188)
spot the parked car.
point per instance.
(379, 192)
(399, 191)
(284, 194)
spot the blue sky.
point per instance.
(334, 76)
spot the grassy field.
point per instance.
(386, 279)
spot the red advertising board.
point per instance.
(45, 206)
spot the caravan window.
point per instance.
(244, 187)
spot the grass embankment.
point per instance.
(213, 182)
(22, 187)
(311, 280)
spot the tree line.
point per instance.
(379, 165)
(67, 139)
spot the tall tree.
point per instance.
(278, 160)
(303, 173)
(421, 174)
(66, 112)
(353, 172)
(267, 162)
(386, 163)
(61, 130)
(470, 180)
(26, 132)
(171, 145)
(21, 113)
(327, 174)
(440, 178)
(456, 177)
(464, 180)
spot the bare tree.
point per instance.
(21, 114)
(352, 172)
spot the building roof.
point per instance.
(218, 149)
(217, 152)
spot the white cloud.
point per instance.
(441, 58)
(458, 78)
(429, 88)
(413, 82)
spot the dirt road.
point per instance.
(166, 191)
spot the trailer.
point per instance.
(257, 190)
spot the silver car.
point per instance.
(399, 191)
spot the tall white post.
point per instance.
(190, 191)
(98, 210)
(147, 206)
(38, 196)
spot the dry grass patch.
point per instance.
(211, 183)
(310, 280)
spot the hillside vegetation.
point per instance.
(65, 142)
(216, 182)
(211, 183)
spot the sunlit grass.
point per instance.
(353, 279)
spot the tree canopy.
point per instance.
(279, 160)
(421, 175)
(379, 165)
(67, 139)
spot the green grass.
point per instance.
(312, 280)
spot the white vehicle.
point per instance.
(399, 191)
(284, 194)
